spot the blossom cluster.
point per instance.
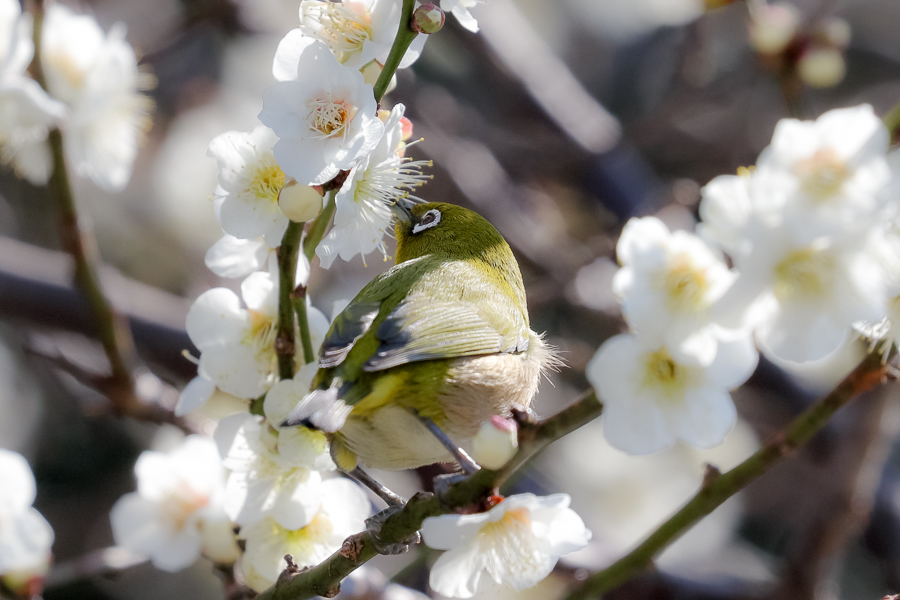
(91, 92)
(809, 236)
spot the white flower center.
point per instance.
(302, 542)
(685, 285)
(68, 69)
(510, 546)
(804, 275)
(179, 504)
(328, 116)
(260, 336)
(823, 174)
(341, 28)
(266, 180)
(664, 376)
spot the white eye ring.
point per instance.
(422, 225)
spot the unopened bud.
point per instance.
(428, 18)
(299, 203)
(835, 32)
(821, 67)
(217, 541)
(773, 27)
(495, 443)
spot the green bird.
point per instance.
(441, 339)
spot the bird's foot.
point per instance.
(373, 526)
(443, 482)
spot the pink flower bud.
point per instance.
(428, 18)
(773, 27)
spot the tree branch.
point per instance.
(324, 579)
(717, 489)
(77, 239)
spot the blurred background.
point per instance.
(558, 122)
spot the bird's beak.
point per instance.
(402, 209)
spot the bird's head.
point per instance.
(446, 230)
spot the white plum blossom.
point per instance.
(231, 258)
(668, 285)
(177, 511)
(237, 345)
(343, 509)
(826, 177)
(96, 76)
(357, 31)
(262, 482)
(249, 183)
(296, 445)
(460, 10)
(518, 543)
(725, 210)
(26, 111)
(803, 295)
(362, 205)
(651, 399)
(799, 228)
(25, 536)
(322, 111)
(195, 394)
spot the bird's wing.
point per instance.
(421, 311)
(421, 328)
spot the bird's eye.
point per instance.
(428, 220)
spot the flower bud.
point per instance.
(836, 32)
(217, 540)
(495, 443)
(428, 18)
(299, 203)
(773, 27)
(821, 67)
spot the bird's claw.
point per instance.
(443, 482)
(373, 526)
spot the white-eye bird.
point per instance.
(442, 337)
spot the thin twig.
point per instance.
(318, 227)
(77, 239)
(405, 35)
(471, 491)
(717, 490)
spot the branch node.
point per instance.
(710, 473)
(298, 292)
(283, 345)
(351, 548)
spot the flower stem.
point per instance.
(77, 238)
(298, 299)
(718, 488)
(892, 122)
(405, 36)
(319, 225)
(287, 271)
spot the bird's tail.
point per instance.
(320, 409)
